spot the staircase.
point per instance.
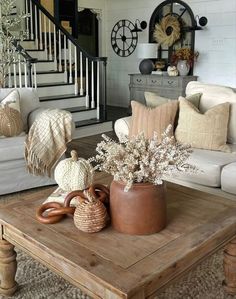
(63, 74)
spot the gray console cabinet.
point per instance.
(165, 86)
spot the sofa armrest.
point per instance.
(33, 115)
(122, 126)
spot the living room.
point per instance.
(144, 216)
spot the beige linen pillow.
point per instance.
(154, 100)
(148, 120)
(11, 123)
(206, 131)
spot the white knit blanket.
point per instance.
(46, 141)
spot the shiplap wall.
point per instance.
(216, 43)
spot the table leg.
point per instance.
(8, 266)
(230, 268)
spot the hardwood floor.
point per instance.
(86, 146)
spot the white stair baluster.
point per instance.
(31, 21)
(25, 73)
(70, 62)
(14, 71)
(27, 19)
(81, 74)
(9, 73)
(36, 26)
(76, 71)
(35, 75)
(40, 31)
(19, 70)
(50, 39)
(65, 60)
(92, 85)
(98, 90)
(9, 77)
(59, 42)
(45, 37)
(55, 47)
(87, 84)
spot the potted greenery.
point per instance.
(8, 40)
(139, 166)
(184, 59)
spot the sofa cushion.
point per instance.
(228, 178)
(206, 131)
(153, 99)
(12, 148)
(210, 165)
(29, 101)
(213, 95)
(150, 120)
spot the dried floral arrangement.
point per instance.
(8, 24)
(184, 54)
(139, 160)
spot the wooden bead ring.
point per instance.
(51, 219)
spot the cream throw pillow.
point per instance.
(12, 100)
(206, 131)
(148, 120)
(154, 100)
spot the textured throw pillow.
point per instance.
(154, 100)
(11, 123)
(206, 131)
(148, 120)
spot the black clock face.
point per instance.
(123, 40)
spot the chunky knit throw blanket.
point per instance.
(46, 141)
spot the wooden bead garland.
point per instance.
(89, 216)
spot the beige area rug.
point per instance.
(37, 282)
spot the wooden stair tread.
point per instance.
(79, 109)
(61, 97)
(53, 84)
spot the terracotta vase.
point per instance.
(183, 67)
(140, 211)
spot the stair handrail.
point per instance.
(28, 58)
(68, 35)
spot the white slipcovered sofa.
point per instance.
(218, 168)
(13, 174)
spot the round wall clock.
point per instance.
(123, 39)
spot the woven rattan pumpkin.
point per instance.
(10, 122)
(90, 215)
(74, 173)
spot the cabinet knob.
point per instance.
(139, 80)
(170, 82)
(154, 81)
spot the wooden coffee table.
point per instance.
(110, 265)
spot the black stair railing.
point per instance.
(87, 73)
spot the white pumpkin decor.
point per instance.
(172, 71)
(74, 173)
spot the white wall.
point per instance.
(216, 43)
